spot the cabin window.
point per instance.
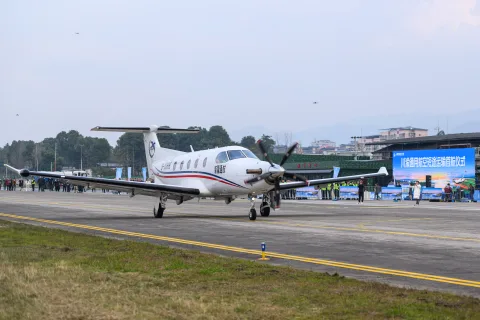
(196, 163)
(221, 158)
(204, 162)
(174, 165)
(181, 165)
(249, 154)
(188, 164)
(235, 154)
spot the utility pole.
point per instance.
(133, 159)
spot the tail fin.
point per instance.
(154, 152)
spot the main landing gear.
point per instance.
(161, 206)
(264, 207)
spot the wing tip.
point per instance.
(383, 171)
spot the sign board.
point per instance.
(348, 192)
(390, 193)
(432, 193)
(454, 166)
(306, 193)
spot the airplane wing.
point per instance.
(132, 187)
(299, 184)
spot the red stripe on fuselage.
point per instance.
(196, 176)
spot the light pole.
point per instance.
(355, 139)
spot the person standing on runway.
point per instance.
(417, 193)
(361, 191)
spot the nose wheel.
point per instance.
(252, 215)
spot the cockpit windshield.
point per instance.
(222, 157)
(249, 154)
(235, 154)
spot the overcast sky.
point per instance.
(252, 66)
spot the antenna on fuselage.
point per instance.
(191, 148)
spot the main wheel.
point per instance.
(252, 215)
(264, 211)
(158, 213)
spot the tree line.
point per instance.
(76, 150)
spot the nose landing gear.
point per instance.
(253, 213)
(264, 207)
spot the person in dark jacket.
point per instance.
(472, 191)
(378, 191)
(361, 190)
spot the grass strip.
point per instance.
(54, 274)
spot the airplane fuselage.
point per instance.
(219, 172)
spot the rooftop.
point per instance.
(404, 128)
(429, 139)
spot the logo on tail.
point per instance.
(151, 150)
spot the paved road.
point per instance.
(435, 246)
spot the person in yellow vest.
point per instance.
(336, 187)
(33, 185)
(324, 193)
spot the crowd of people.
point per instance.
(40, 185)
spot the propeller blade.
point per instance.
(277, 194)
(264, 151)
(295, 176)
(288, 153)
(258, 178)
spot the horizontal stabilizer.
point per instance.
(145, 129)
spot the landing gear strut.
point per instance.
(253, 213)
(161, 206)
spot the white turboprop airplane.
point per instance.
(222, 173)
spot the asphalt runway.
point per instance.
(435, 246)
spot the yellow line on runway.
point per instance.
(401, 273)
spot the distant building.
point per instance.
(322, 144)
(280, 149)
(109, 165)
(362, 147)
(370, 144)
(316, 147)
(402, 133)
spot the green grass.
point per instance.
(53, 274)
